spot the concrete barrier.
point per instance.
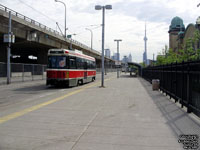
(20, 74)
(16, 74)
(27, 74)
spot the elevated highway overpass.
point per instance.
(35, 39)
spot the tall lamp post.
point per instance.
(91, 36)
(99, 7)
(65, 14)
(118, 40)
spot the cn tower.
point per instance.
(145, 47)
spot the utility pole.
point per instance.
(8, 49)
(105, 67)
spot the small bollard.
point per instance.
(155, 84)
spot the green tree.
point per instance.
(189, 50)
(142, 64)
(171, 56)
(160, 60)
(187, 53)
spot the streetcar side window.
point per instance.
(93, 65)
(85, 66)
(90, 62)
(72, 62)
(80, 63)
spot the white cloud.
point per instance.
(125, 20)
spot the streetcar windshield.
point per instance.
(58, 62)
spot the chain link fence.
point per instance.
(22, 72)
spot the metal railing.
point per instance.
(22, 72)
(56, 33)
(180, 81)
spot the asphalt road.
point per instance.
(126, 115)
(17, 96)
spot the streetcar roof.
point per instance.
(70, 53)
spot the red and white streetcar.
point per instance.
(69, 67)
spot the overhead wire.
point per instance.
(54, 21)
(37, 11)
(78, 33)
(96, 26)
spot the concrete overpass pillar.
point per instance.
(3, 53)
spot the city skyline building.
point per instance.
(125, 59)
(130, 58)
(115, 56)
(107, 53)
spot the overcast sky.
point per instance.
(125, 21)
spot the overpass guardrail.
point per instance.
(44, 27)
(181, 81)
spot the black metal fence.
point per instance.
(180, 81)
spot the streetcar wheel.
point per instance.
(80, 82)
(93, 79)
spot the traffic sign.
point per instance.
(9, 38)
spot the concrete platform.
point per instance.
(126, 115)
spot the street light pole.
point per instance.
(91, 36)
(65, 15)
(119, 40)
(102, 55)
(99, 7)
(8, 51)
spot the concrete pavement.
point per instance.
(126, 115)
